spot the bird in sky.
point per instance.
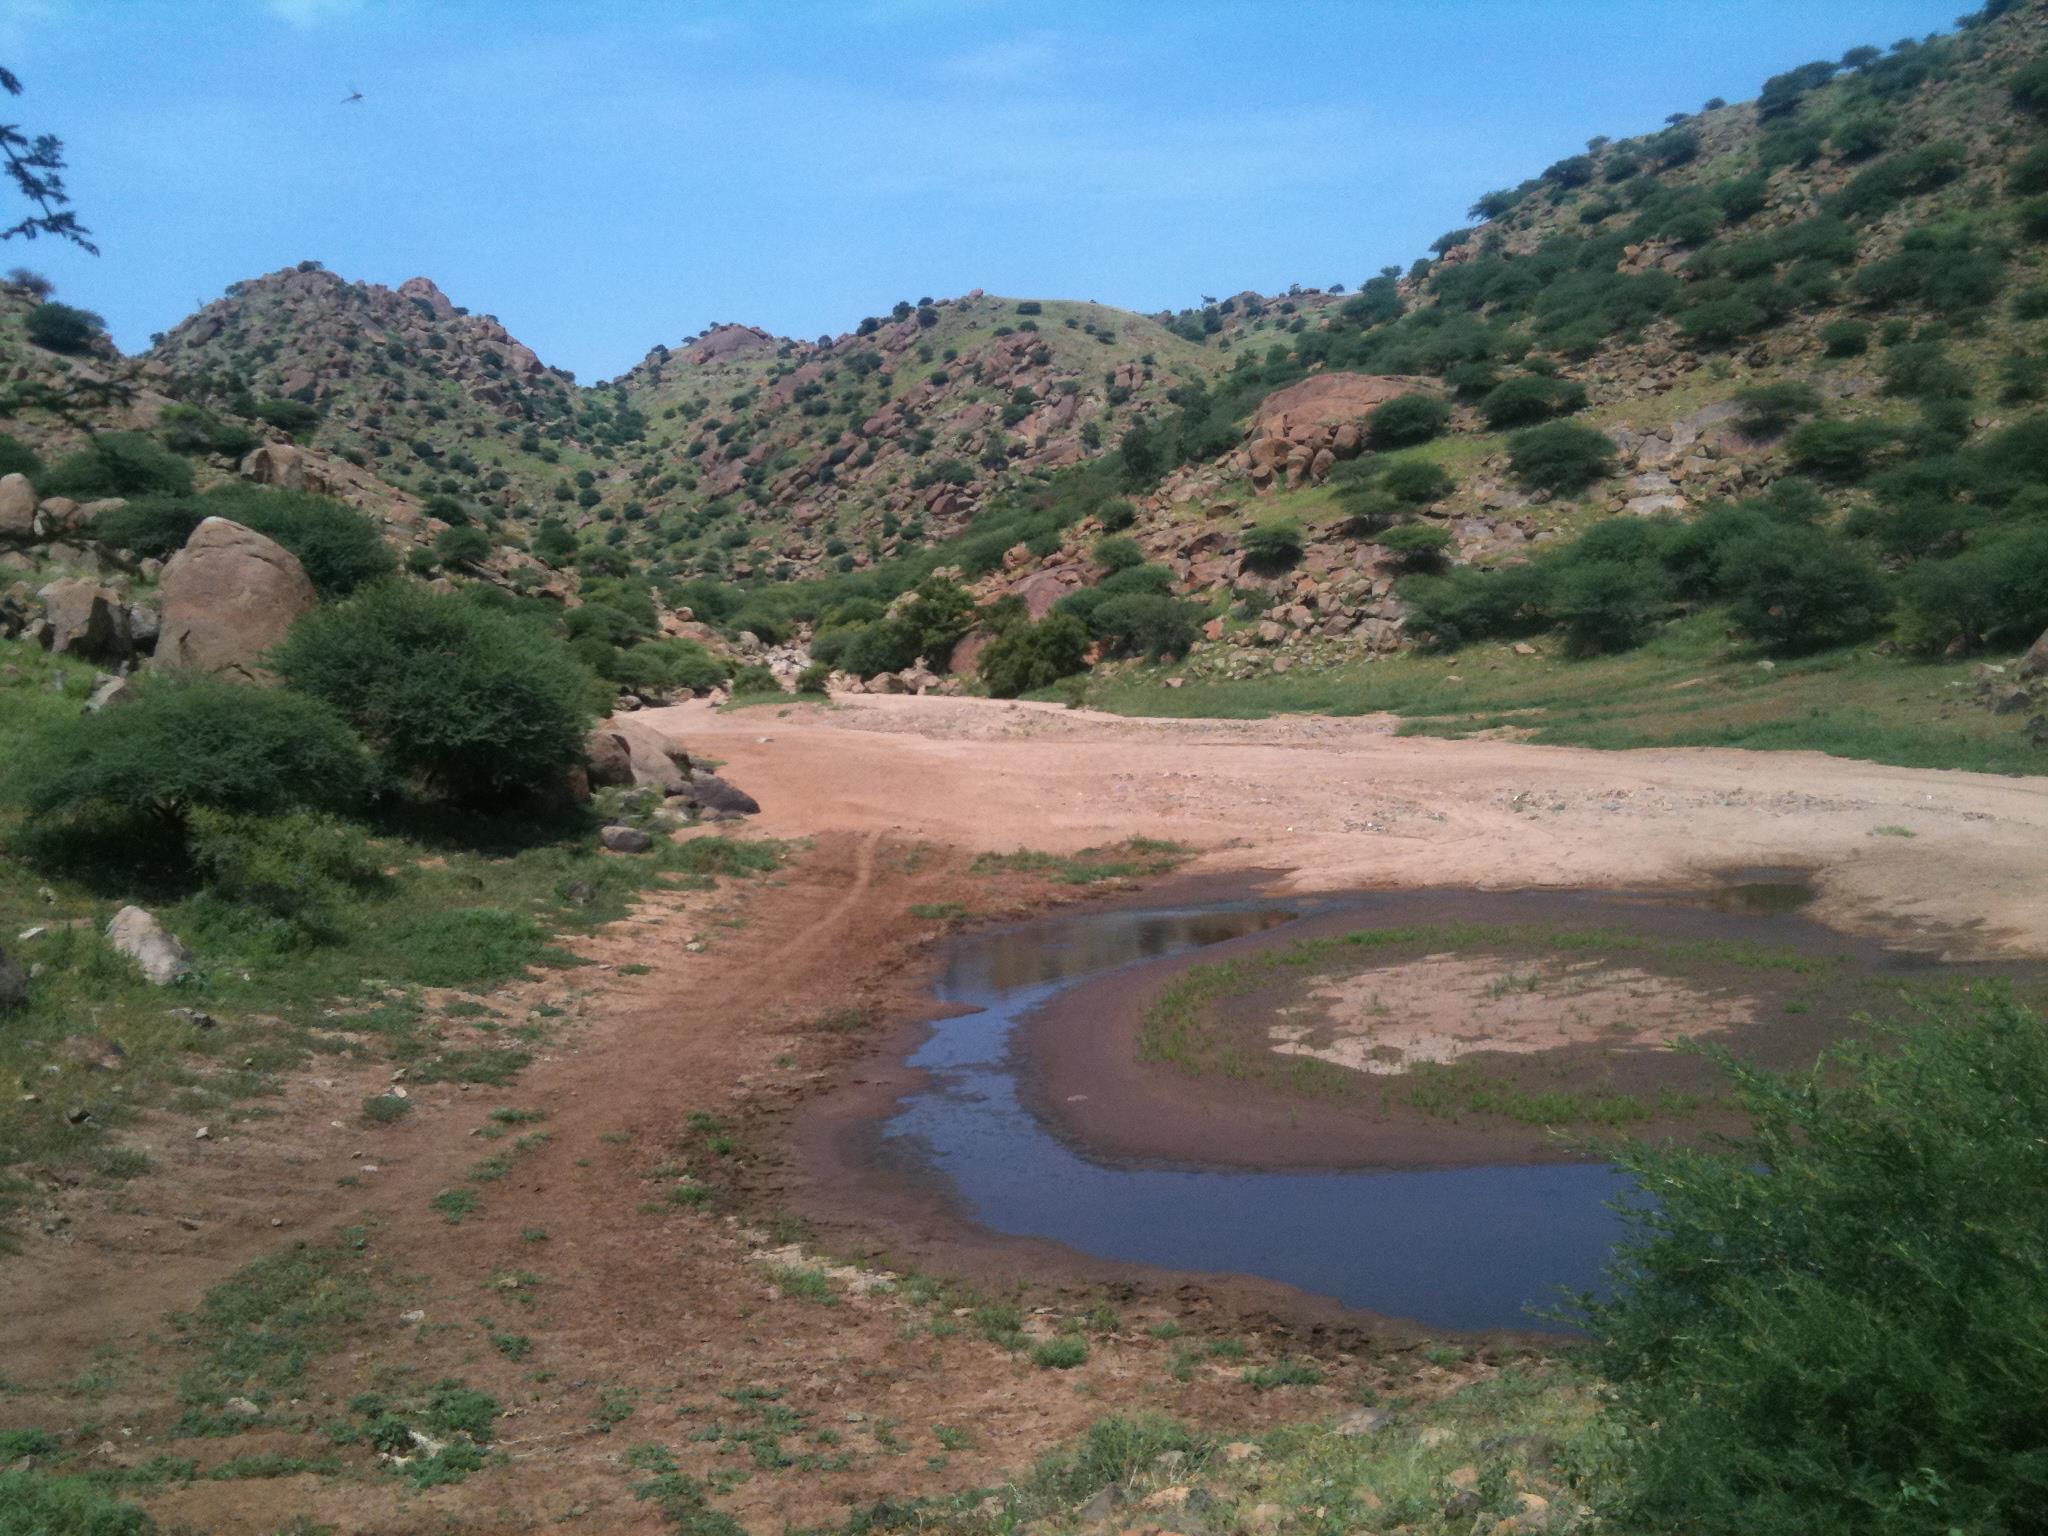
(353, 96)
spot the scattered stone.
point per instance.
(111, 693)
(86, 619)
(715, 794)
(138, 935)
(625, 839)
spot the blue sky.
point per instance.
(606, 175)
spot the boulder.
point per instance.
(2035, 662)
(625, 839)
(86, 619)
(229, 595)
(714, 794)
(17, 507)
(652, 759)
(286, 466)
(110, 693)
(13, 984)
(606, 760)
(153, 947)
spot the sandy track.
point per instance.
(1340, 804)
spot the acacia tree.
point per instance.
(36, 167)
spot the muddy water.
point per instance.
(1475, 1248)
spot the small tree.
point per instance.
(463, 548)
(1406, 420)
(1561, 457)
(454, 697)
(1028, 657)
(61, 328)
(1273, 547)
(1794, 588)
(119, 464)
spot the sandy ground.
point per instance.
(733, 1002)
(1339, 804)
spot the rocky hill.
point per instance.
(1832, 295)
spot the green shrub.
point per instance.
(60, 328)
(1474, 602)
(2031, 218)
(1606, 605)
(1923, 370)
(1768, 409)
(1529, 398)
(815, 678)
(1843, 451)
(1910, 173)
(1118, 553)
(1794, 588)
(1415, 482)
(2029, 88)
(464, 701)
(1061, 1354)
(1417, 547)
(338, 546)
(2029, 173)
(1273, 547)
(17, 458)
(184, 743)
(1721, 322)
(1839, 1322)
(755, 679)
(191, 430)
(1996, 591)
(1407, 420)
(1147, 624)
(1561, 457)
(1845, 338)
(1028, 657)
(294, 874)
(2031, 303)
(462, 548)
(35, 1504)
(119, 464)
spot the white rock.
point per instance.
(138, 935)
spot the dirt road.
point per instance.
(1346, 803)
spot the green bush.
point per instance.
(190, 430)
(1845, 338)
(815, 678)
(1147, 624)
(755, 679)
(1839, 1322)
(1407, 420)
(463, 701)
(1473, 602)
(1910, 173)
(1028, 657)
(35, 1504)
(1415, 482)
(1794, 588)
(339, 547)
(1768, 409)
(2029, 173)
(1529, 398)
(2029, 88)
(1843, 451)
(1721, 322)
(2031, 218)
(119, 464)
(1273, 547)
(1561, 457)
(462, 548)
(60, 328)
(293, 874)
(185, 743)
(1118, 553)
(1417, 547)
(1606, 605)
(17, 458)
(1997, 591)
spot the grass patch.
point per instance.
(1061, 1354)
(1134, 859)
(1282, 1373)
(803, 1284)
(254, 1334)
(386, 1108)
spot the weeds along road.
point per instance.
(1958, 858)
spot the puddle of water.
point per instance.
(1461, 1248)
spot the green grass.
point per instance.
(254, 1334)
(1061, 1354)
(804, 1284)
(1134, 859)
(1687, 688)
(1282, 1373)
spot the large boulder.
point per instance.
(2035, 662)
(716, 795)
(153, 947)
(287, 467)
(625, 752)
(17, 507)
(229, 595)
(86, 619)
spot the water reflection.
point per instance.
(1463, 1248)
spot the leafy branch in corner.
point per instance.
(36, 166)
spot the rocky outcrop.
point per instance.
(86, 620)
(17, 508)
(287, 467)
(625, 754)
(158, 952)
(1302, 432)
(229, 595)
